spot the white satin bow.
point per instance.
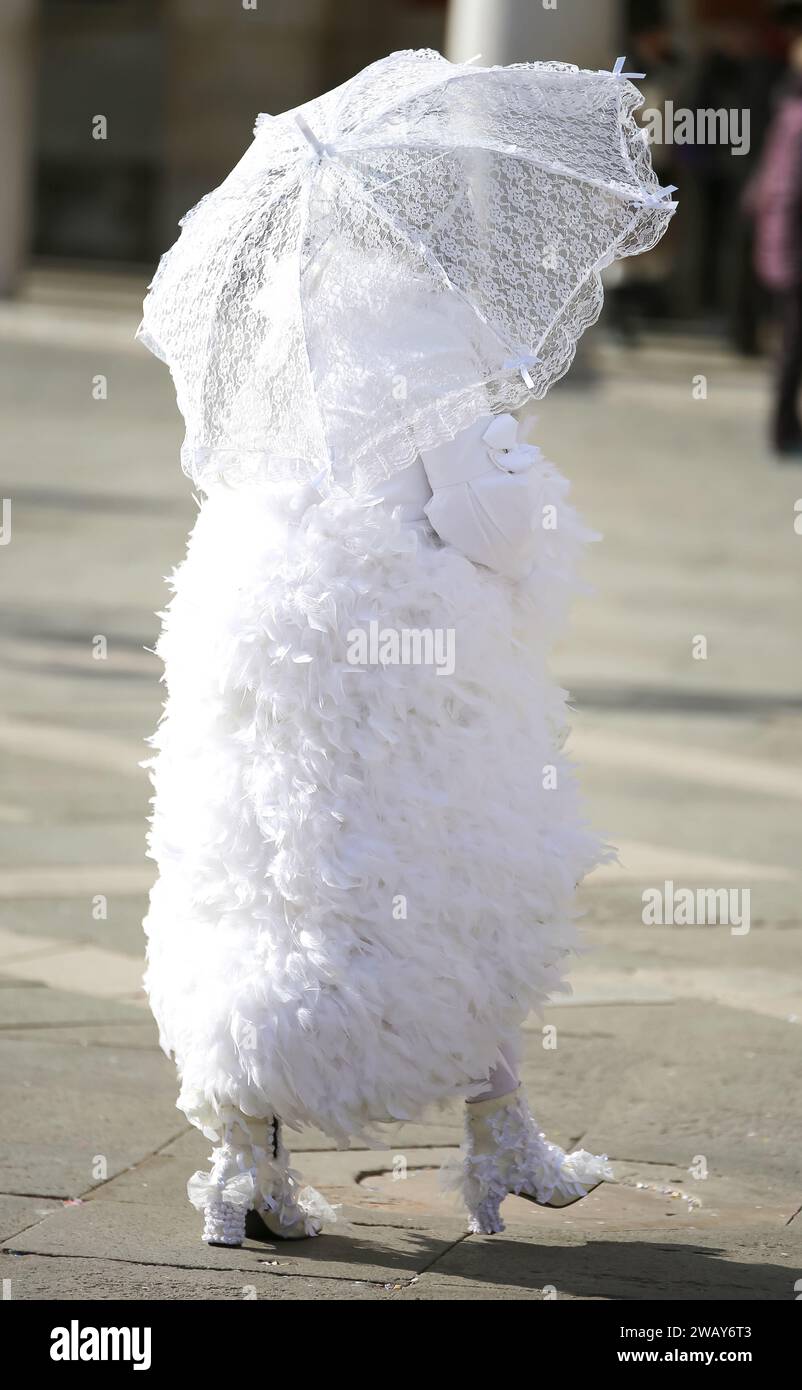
(487, 494)
(204, 1188)
(269, 1186)
(501, 440)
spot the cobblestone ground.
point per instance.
(678, 1053)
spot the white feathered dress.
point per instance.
(366, 872)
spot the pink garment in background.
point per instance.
(777, 195)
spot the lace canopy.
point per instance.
(419, 246)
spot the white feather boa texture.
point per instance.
(364, 885)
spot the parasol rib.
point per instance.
(422, 250)
(550, 166)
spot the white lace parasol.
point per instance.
(417, 247)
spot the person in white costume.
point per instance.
(368, 856)
(297, 799)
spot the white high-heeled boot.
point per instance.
(504, 1152)
(251, 1190)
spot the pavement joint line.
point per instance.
(410, 1225)
(647, 700)
(362, 1175)
(32, 1224)
(585, 1002)
(645, 1163)
(679, 762)
(61, 964)
(423, 1148)
(37, 1197)
(68, 663)
(442, 1254)
(38, 882)
(65, 743)
(91, 1192)
(5, 1249)
(122, 503)
(53, 948)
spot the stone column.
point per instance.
(523, 31)
(16, 137)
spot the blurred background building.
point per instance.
(117, 115)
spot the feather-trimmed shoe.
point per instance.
(251, 1190)
(504, 1152)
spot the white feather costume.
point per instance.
(366, 873)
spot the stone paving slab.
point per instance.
(359, 1246)
(617, 934)
(697, 1265)
(75, 1106)
(17, 1213)
(693, 1078)
(139, 1035)
(646, 1197)
(67, 1278)
(45, 786)
(112, 841)
(32, 1007)
(74, 968)
(71, 920)
(368, 1259)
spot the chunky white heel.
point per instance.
(504, 1152)
(223, 1223)
(251, 1190)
